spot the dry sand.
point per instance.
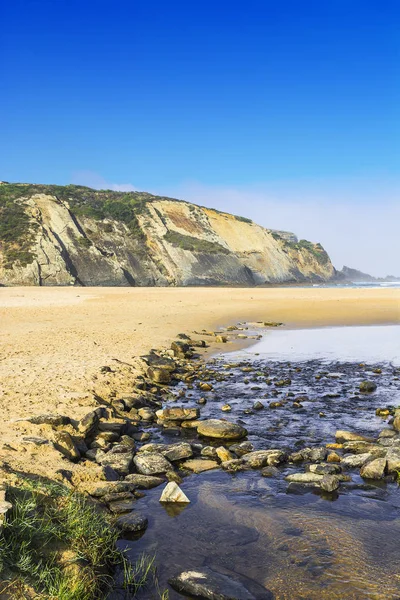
(53, 341)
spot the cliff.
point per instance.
(72, 235)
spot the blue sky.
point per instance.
(250, 106)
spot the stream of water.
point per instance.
(297, 543)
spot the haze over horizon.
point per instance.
(285, 113)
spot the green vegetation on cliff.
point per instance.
(187, 242)
(17, 231)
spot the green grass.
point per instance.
(187, 242)
(17, 232)
(60, 546)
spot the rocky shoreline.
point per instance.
(177, 395)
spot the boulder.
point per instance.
(374, 469)
(132, 522)
(206, 584)
(217, 428)
(269, 472)
(318, 454)
(151, 463)
(178, 413)
(173, 493)
(181, 350)
(88, 425)
(98, 489)
(144, 482)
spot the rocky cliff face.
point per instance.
(51, 235)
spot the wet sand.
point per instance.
(53, 341)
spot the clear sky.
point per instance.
(286, 111)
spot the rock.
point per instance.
(114, 426)
(221, 339)
(349, 436)
(324, 469)
(88, 425)
(393, 460)
(98, 489)
(181, 350)
(151, 463)
(318, 454)
(141, 436)
(48, 419)
(132, 522)
(96, 454)
(209, 452)
(262, 458)
(226, 408)
(144, 482)
(333, 457)
(242, 448)
(361, 447)
(330, 483)
(216, 428)
(121, 462)
(35, 440)
(146, 414)
(206, 584)
(223, 454)
(173, 493)
(121, 506)
(269, 472)
(205, 387)
(64, 443)
(178, 413)
(258, 405)
(177, 451)
(159, 375)
(368, 386)
(234, 465)
(304, 478)
(396, 422)
(300, 455)
(374, 469)
(198, 465)
(355, 460)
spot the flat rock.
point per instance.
(132, 522)
(121, 506)
(349, 436)
(206, 584)
(48, 419)
(178, 413)
(144, 482)
(173, 493)
(217, 428)
(151, 463)
(355, 460)
(99, 489)
(197, 465)
(304, 478)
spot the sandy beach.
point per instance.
(54, 341)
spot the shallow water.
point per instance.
(296, 542)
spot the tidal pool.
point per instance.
(283, 541)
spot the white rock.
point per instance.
(173, 493)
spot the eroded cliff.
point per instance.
(72, 235)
